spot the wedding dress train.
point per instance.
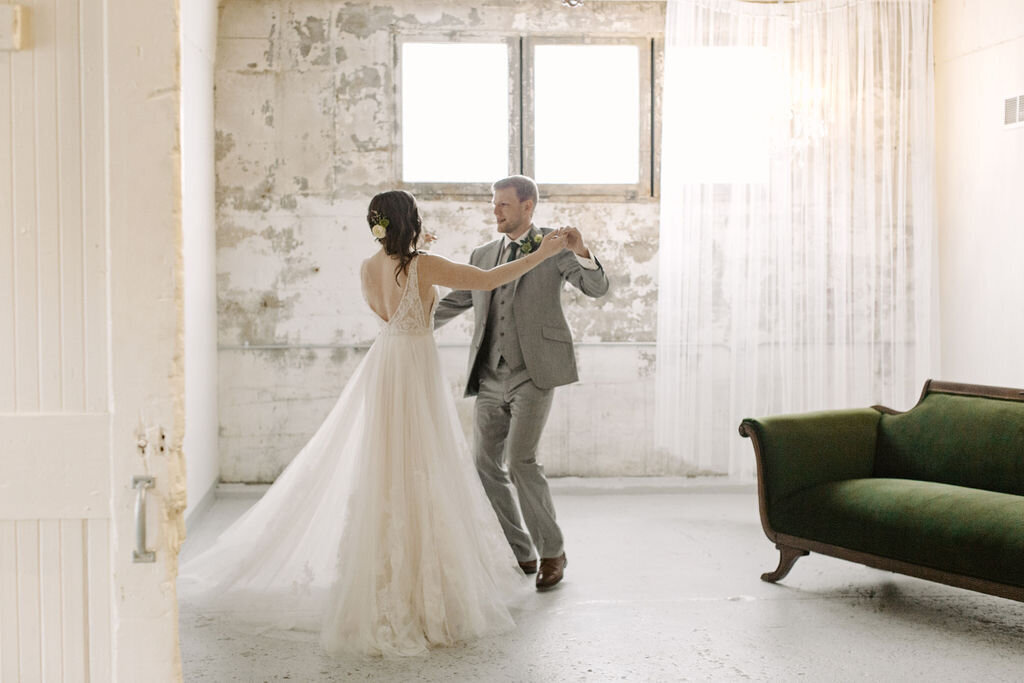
(378, 534)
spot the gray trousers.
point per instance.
(508, 420)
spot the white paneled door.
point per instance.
(90, 352)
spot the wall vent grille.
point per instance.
(1013, 111)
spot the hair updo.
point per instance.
(403, 228)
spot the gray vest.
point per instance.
(502, 339)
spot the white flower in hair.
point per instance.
(380, 225)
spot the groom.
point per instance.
(522, 349)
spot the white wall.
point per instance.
(198, 48)
(979, 61)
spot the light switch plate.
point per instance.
(11, 27)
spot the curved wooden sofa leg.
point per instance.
(787, 558)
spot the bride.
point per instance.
(378, 534)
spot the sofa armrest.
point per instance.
(795, 452)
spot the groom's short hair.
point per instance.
(524, 186)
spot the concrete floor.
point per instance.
(663, 585)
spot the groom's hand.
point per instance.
(574, 241)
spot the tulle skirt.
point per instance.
(378, 535)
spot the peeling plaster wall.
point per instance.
(304, 123)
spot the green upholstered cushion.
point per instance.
(952, 528)
(806, 449)
(961, 440)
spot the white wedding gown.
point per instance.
(378, 534)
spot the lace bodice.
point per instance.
(409, 317)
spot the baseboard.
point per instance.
(196, 512)
(569, 486)
(641, 485)
(236, 490)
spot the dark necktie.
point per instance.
(508, 253)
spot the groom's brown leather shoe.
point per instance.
(529, 567)
(551, 571)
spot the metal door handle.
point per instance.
(140, 554)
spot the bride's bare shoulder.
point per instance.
(369, 271)
(432, 260)
(373, 262)
(431, 265)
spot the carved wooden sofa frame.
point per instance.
(791, 548)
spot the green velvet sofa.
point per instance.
(936, 492)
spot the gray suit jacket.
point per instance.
(544, 334)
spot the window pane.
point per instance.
(587, 114)
(454, 112)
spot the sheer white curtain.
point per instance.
(797, 217)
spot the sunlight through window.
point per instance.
(722, 109)
(454, 112)
(587, 118)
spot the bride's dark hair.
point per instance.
(403, 227)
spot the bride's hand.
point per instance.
(553, 243)
(427, 238)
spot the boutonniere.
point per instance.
(530, 243)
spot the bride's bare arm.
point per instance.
(437, 270)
